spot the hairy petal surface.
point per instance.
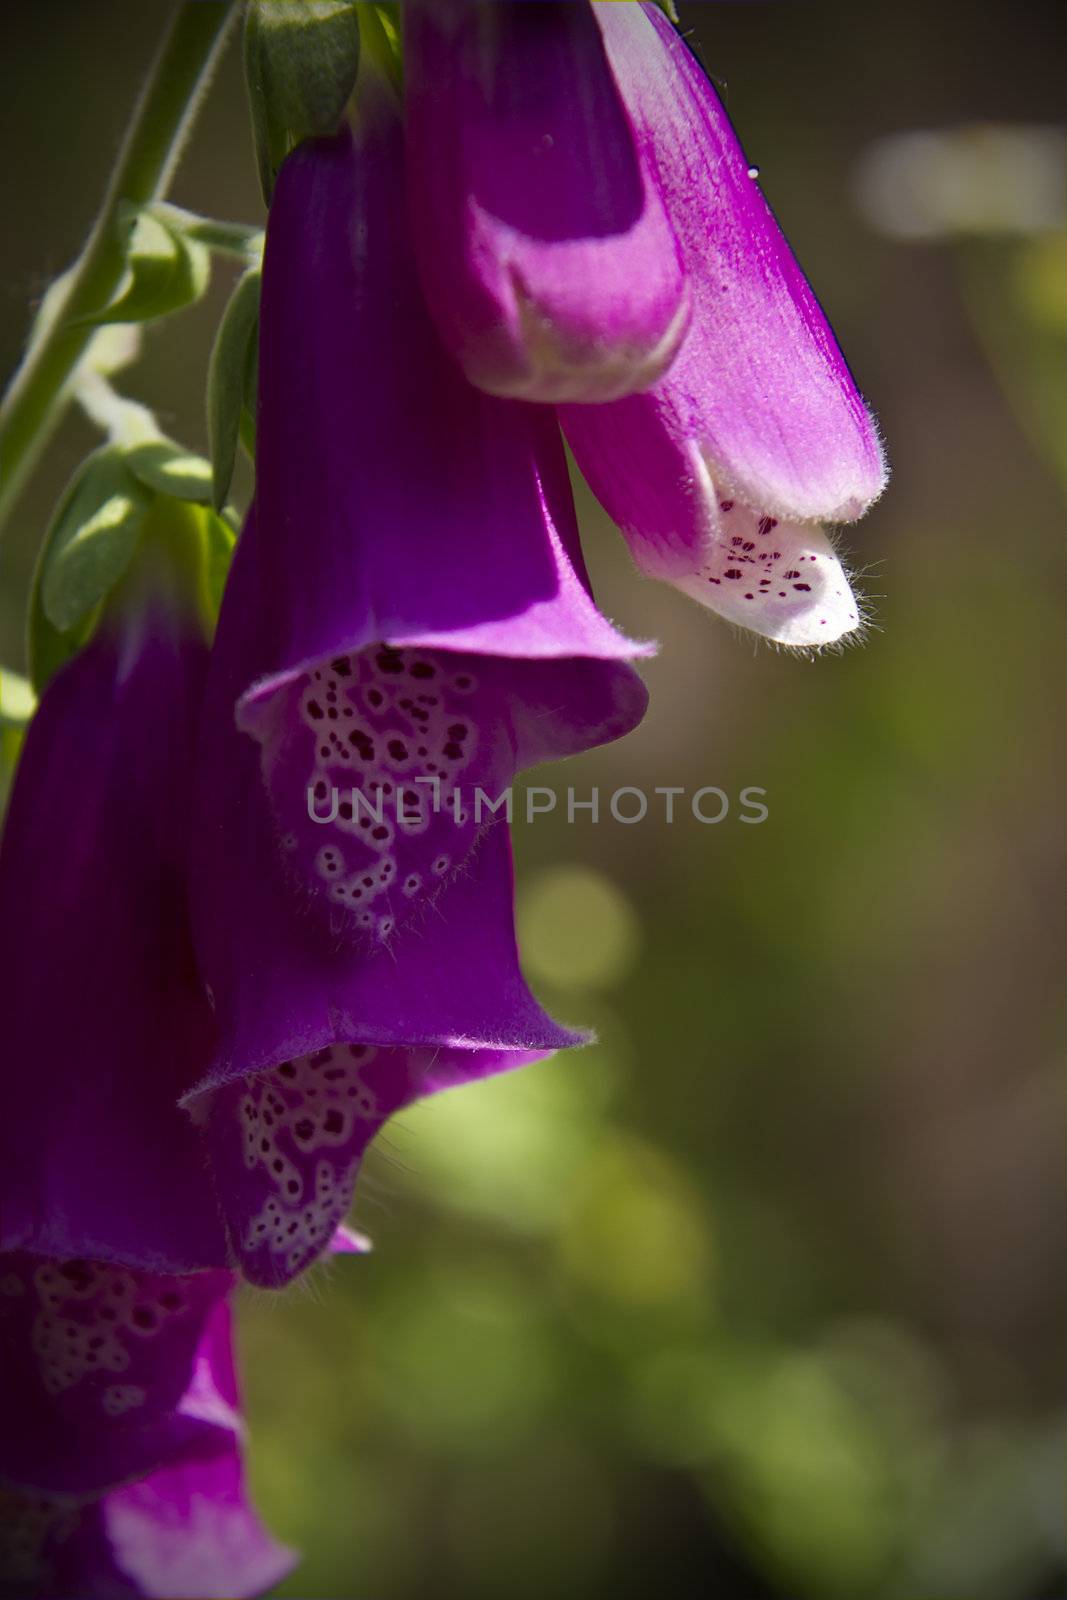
(545, 252)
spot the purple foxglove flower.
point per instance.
(717, 474)
(546, 256)
(105, 1020)
(185, 1527)
(324, 1032)
(422, 616)
(407, 603)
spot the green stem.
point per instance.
(125, 422)
(145, 166)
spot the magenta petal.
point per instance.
(759, 404)
(394, 501)
(96, 1364)
(105, 1021)
(544, 250)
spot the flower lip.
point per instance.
(782, 580)
(286, 1145)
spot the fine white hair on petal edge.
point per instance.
(781, 579)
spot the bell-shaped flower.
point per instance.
(406, 624)
(105, 1020)
(151, 1507)
(546, 255)
(719, 474)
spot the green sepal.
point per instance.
(87, 548)
(183, 559)
(91, 539)
(382, 41)
(185, 554)
(164, 466)
(217, 540)
(89, 561)
(231, 383)
(301, 61)
(165, 270)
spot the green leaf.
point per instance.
(164, 272)
(162, 465)
(301, 60)
(91, 540)
(231, 380)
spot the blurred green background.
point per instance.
(762, 1295)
